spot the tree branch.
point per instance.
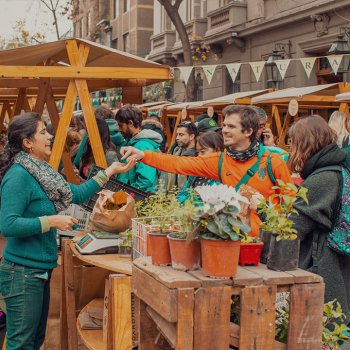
(43, 2)
(177, 4)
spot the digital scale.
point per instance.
(98, 242)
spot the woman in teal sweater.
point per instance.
(32, 193)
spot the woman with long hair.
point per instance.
(87, 159)
(313, 149)
(32, 195)
(206, 143)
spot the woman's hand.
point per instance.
(117, 168)
(131, 152)
(62, 222)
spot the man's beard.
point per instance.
(127, 134)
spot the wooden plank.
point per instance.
(55, 119)
(305, 317)
(132, 95)
(282, 136)
(257, 328)
(209, 282)
(111, 262)
(185, 309)
(167, 328)
(120, 306)
(303, 276)
(19, 105)
(61, 134)
(178, 121)
(234, 338)
(271, 276)
(148, 333)
(212, 318)
(167, 275)
(246, 277)
(42, 93)
(68, 269)
(276, 116)
(156, 74)
(63, 305)
(160, 298)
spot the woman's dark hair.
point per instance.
(103, 113)
(129, 113)
(249, 118)
(211, 139)
(107, 143)
(308, 136)
(21, 127)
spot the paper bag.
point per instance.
(112, 220)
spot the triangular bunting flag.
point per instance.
(185, 73)
(257, 68)
(282, 66)
(233, 69)
(209, 72)
(335, 61)
(308, 64)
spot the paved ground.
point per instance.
(346, 346)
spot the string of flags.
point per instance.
(258, 67)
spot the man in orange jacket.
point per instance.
(244, 161)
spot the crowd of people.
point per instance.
(241, 151)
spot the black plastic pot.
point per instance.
(265, 238)
(283, 254)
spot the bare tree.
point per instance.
(172, 10)
(57, 7)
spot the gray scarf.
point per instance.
(245, 155)
(53, 183)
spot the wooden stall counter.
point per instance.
(193, 312)
(118, 269)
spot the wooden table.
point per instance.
(119, 301)
(192, 311)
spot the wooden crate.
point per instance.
(192, 311)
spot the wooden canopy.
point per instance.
(33, 76)
(310, 98)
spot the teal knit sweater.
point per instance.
(23, 202)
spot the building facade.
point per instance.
(126, 25)
(241, 31)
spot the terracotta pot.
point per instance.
(184, 256)
(283, 254)
(249, 253)
(160, 251)
(219, 258)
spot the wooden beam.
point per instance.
(20, 103)
(276, 116)
(159, 74)
(282, 135)
(41, 98)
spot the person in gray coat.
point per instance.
(314, 147)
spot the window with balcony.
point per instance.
(325, 73)
(233, 87)
(116, 8)
(126, 5)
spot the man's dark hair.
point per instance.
(191, 128)
(249, 118)
(103, 113)
(129, 113)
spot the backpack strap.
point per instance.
(252, 170)
(269, 169)
(220, 165)
(80, 152)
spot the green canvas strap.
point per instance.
(80, 152)
(220, 165)
(251, 171)
(269, 169)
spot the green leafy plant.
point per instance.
(245, 238)
(334, 329)
(282, 323)
(127, 241)
(218, 217)
(159, 208)
(278, 209)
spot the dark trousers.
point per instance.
(26, 292)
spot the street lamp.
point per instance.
(341, 47)
(274, 79)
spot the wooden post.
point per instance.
(257, 329)
(305, 316)
(63, 305)
(275, 115)
(119, 319)
(185, 323)
(19, 105)
(282, 135)
(178, 120)
(68, 272)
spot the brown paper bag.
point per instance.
(112, 220)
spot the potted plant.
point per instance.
(125, 248)
(250, 250)
(158, 209)
(220, 226)
(283, 254)
(185, 253)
